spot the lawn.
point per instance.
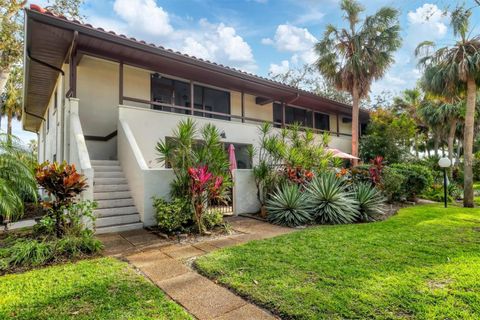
(423, 263)
(90, 289)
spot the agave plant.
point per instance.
(289, 206)
(370, 201)
(17, 181)
(330, 200)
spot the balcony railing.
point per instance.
(194, 112)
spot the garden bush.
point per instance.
(330, 201)
(417, 179)
(27, 252)
(212, 218)
(370, 201)
(476, 167)
(172, 216)
(392, 184)
(289, 206)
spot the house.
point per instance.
(102, 100)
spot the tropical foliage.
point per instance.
(455, 69)
(352, 58)
(63, 184)
(17, 180)
(331, 201)
(289, 206)
(370, 201)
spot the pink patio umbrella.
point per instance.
(231, 157)
(340, 154)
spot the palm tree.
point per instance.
(409, 103)
(457, 68)
(17, 181)
(428, 113)
(11, 103)
(352, 58)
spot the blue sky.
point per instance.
(263, 36)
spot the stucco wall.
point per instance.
(244, 192)
(97, 89)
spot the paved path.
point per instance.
(163, 263)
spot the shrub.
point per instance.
(417, 179)
(436, 193)
(17, 181)
(330, 200)
(392, 184)
(361, 173)
(172, 216)
(64, 184)
(30, 252)
(476, 167)
(212, 218)
(289, 206)
(370, 201)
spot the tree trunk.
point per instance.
(451, 138)
(9, 123)
(459, 150)
(4, 74)
(355, 120)
(436, 143)
(468, 143)
(415, 142)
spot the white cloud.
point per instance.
(144, 15)
(312, 15)
(291, 38)
(146, 20)
(425, 23)
(281, 68)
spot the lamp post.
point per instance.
(444, 163)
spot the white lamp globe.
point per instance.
(444, 162)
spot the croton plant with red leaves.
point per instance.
(203, 187)
(64, 183)
(376, 169)
(299, 175)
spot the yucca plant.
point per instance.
(331, 202)
(17, 181)
(370, 201)
(289, 206)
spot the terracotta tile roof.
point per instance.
(42, 10)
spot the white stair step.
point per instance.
(110, 188)
(109, 174)
(115, 211)
(107, 169)
(111, 195)
(105, 162)
(120, 228)
(114, 181)
(116, 220)
(115, 203)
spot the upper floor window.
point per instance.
(322, 121)
(211, 100)
(170, 92)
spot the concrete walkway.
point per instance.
(164, 264)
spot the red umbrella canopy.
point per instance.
(231, 157)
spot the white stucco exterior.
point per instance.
(70, 124)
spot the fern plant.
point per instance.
(331, 202)
(370, 201)
(289, 206)
(17, 180)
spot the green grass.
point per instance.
(423, 263)
(90, 289)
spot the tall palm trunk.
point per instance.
(468, 142)
(415, 143)
(9, 123)
(436, 143)
(451, 138)
(4, 74)
(355, 120)
(459, 149)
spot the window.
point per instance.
(211, 100)
(170, 92)
(48, 120)
(297, 115)
(322, 121)
(277, 114)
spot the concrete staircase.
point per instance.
(116, 211)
